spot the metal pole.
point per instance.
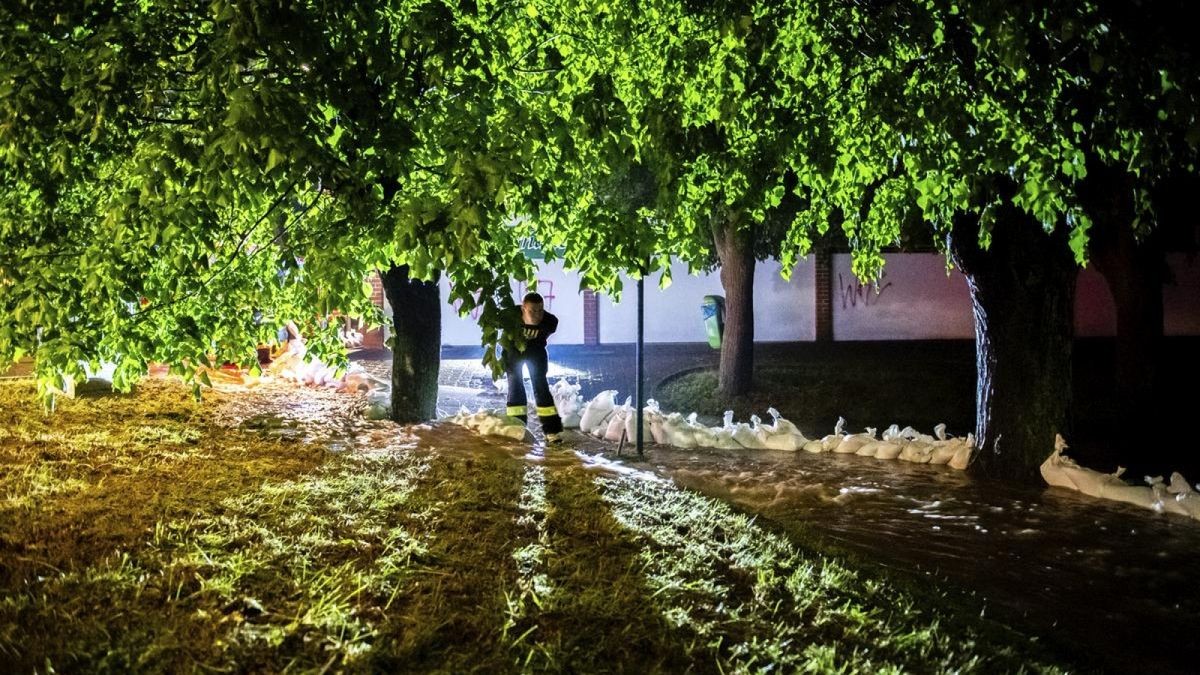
(641, 296)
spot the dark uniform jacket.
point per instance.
(535, 336)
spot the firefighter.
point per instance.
(537, 325)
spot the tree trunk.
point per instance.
(736, 252)
(1022, 293)
(416, 344)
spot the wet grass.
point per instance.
(275, 531)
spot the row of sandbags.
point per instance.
(1177, 497)
(905, 444)
(603, 418)
(489, 422)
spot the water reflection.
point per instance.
(1107, 579)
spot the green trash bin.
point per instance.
(713, 310)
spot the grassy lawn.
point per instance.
(275, 530)
(815, 394)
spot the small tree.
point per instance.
(682, 99)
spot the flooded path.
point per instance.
(1104, 579)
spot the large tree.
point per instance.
(182, 176)
(979, 119)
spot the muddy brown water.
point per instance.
(1113, 585)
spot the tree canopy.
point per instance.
(182, 177)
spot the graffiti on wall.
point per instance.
(543, 286)
(854, 292)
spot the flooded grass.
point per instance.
(276, 530)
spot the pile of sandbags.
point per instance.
(603, 418)
(490, 423)
(1175, 497)
(295, 365)
(568, 401)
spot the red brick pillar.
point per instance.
(374, 338)
(591, 318)
(823, 295)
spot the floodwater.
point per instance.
(1109, 580)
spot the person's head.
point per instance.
(532, 308)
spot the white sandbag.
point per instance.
(962, 456)
(703, 435)
(1179, 485)
(477, 419)
(723, 435)
(1062, 471)
(746, 435)
(911, 434)
(615, 429)
(830, 442)
(854, 442)
(917, 452)
(1130, 494)
(1164, 500)
(568, 402)
(867, 449)
(631, 426)
(781, 434)
(655, 417)
(815, 447)
(888, 450)
(1187, 499)
(379, 405)
(678, 432)
(490, 423)
(864, 444)
(943, 451)
(596, 411)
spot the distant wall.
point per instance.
(559, 287)
(915, 299)
(783, 310)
